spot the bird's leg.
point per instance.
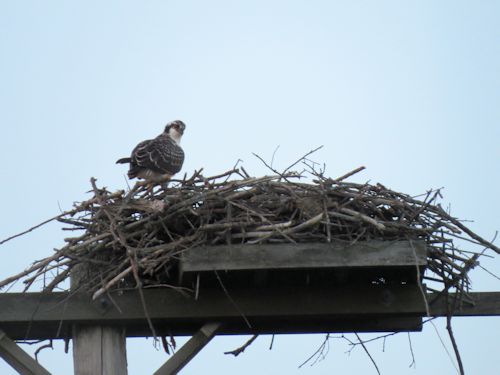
(144, 185)
(149, 190)
(164, 183)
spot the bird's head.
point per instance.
(175, 129)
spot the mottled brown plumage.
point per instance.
(158, 159)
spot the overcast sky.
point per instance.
(409, 89)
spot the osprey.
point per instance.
(157, 160)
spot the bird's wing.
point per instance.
(160, 155)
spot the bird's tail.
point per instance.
(123, 160)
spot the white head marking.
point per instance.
(175, 135)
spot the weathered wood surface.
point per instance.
(305, 256)
(99, 350)
(284, 310)
(16, 357)
(473, 304)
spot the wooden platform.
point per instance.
(305, 264)
(287, 288)
(275, 289)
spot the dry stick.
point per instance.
(110, 283)
(236, 352)
(318, 353)
(46, 346)
(475, 236)
(309, 223)
(442, 213)
(274, 226)
(364, 218)
(274, 154)
(419, 282)
(28, 282)
(443, 344)
(272, 342)
(456, 277)
(367, 352)
(449, 315)
(263, 218)
(35, 227)
(271, 168)
(141, 295)
(489, 272)
(302, 158)
(38, 265)
(347, 175)
(426, 204)
(413, 363)
(384, 336)
(232, 300)
(65, 213)
(225, 174)
(57, 280)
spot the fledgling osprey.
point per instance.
(157, 160)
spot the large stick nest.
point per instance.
(134, 238)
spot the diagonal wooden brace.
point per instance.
(16, 357)
(189, 350)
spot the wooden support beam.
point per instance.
(16, 357)
(268, 310)
(472, 304)
(283, 310)
(189, 350)
(298, 256)
(99, 350)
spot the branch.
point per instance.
(302, 158)
(367, 352)
(236, 352)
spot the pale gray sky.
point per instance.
(408, 89)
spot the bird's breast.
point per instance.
(153, 176)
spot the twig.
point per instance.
(236, 352)
(302, 158)
(33, 228)
(443, 345)
(347, 175)
(413, 363)
(232, 300)
(319, 353)
(450, 307)
(367, 353)
(49, 345)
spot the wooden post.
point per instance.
(19, 360)
(97, 349)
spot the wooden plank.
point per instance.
(99, 350)
(44, 316)
(304, 256)
(473, 304)
(16, 357)
(192, 347)
(284, 310)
